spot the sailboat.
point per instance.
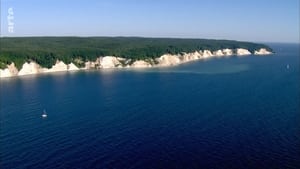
(44, 115)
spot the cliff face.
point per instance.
(140, 64)
(59, 66)
(227, 52)
(241, 52)
(168, 60)
(262, 51)
(34, 68)
(11, 70)
(109, 62)
(30, 68)
(72, 67)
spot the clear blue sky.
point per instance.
(250, 20)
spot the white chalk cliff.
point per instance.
(108, 62)
(10, 71)
(34, 68)
(140, 64)
(30, 68)
(72, 67)
(242, 52)
(206, 54)
(262, 51)
(218, 53)
(168, 60)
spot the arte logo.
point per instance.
(10, 20)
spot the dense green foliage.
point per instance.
(46, 50)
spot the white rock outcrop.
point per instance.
(262, 51)
(227, 52)
(72, 67)
(168, 60)
(186, 57)
(30, 68)
(10, 71)
(140, 64)
(109, 62)
(89, 65)
(206, 54)
(242, 52)
(34, 68)
(58, 67)
(218, 53)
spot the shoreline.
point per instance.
(113, 62)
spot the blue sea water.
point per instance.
(239, 112)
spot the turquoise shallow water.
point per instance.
(240, 112)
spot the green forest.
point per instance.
(46, 50)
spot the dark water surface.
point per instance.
(240, 112)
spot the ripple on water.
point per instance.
(222, 69)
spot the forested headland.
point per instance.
(47, 50)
